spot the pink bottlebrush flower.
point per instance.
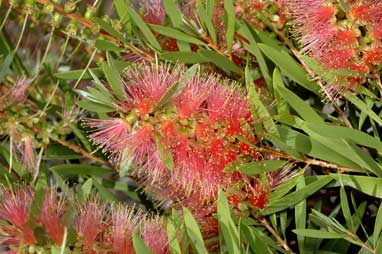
(217, 102)
(123, 225)
(194, 94)
(115, 136)
(154, 12)
(29, 159)
(18, 93)
(154, 235)
(145, 85)
(111, 135)
(52, 217)
(89, 224)
(257, 193)
(14, 208)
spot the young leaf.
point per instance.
(193, 232)
(139, 245)
(230, 23)
(259, 111)
(227, 227)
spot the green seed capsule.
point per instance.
(56, 19)
(89, 13)
(70, 6)
(48, 8)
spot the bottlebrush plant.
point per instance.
(170, 126)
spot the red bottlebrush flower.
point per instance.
(29, 159)
(193, 95)
(89, 224)
(14, 208)
(145, 85)
(258, 194)
(18, 93)
(373, 56)
(122, 230)
(52, 217)
(154, 235)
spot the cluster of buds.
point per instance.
(98, 228)
(344, 36)
(182, 140)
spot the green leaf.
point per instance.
(139, 245)
(282, 106)
(345, 208)
(113, 78)
(56, 151)
(227, 227)
(138, 21)
(172, 238)
(300, 214)
(256, 243)
(80, 169)
(230, 23)
(296, 197)
(205, 16)
(301, 107)
(95, 107)
(176, 34)
(289, 67)
(377, 226)
(220, 61)
(38, 200)
(193, 232)
(76, 74)
(165, 155)
(260, 167)
(85, 190)
(355, 136)
(104, 45)
(259, 111)
(110, 30)
(103, 192)
(363, 107)
(254, 50)
(173, 12)
(314, 233)
(185, 57)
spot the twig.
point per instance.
(313, 162)
(281, 241)
(81, 151)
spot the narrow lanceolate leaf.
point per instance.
(138, 21)
(38, 200)
(220, 61)
(314, 233)
(377, 226)
(227, 227)
(260, 167)
(113, 78)
(282, 105)
(300, 214)
(173, 12)
(230, 23)
(172, 238)
(194, 233)
(301, 107)
(363, 107)
(109, 29)
(259, 111)
(185, 57)
(296, 197)
(80, 169)
(254, 50)
(289, 66)
(165, 155)
(139, 245)
(176, 34)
